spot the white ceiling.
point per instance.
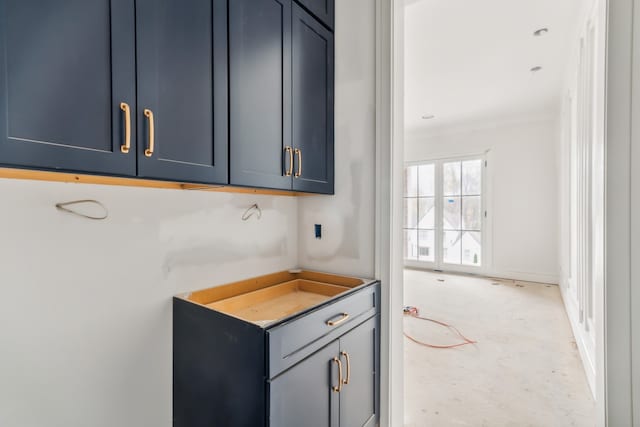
(468, 61)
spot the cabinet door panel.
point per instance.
(303, 396)
(313, 86)
(65, 67)
(260, 92)
(182, 79)
(358, 399)
(324, 10)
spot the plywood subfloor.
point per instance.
(524, 371)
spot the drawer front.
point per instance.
(293, 341)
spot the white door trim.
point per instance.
(622, 199)
(388, 210)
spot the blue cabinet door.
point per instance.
(66, 67)
(324, 10)
(260, 93)
(359, 351)
(182, 90)
(304, 395)
(312, 94)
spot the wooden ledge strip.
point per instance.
(36, 175)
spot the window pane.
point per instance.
(410, 213)
(411, 181)
(451, 247)
(411, 244)
(451, 178)
(471, 213)
(472, 177)
(472, 248)
(426, 246)
(426, 180)
(426, 213)
(451, 213)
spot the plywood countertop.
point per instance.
(271, 298)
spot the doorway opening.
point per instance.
(502, 211)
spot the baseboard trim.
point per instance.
(549, 279)
(588, 362)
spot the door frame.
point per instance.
(622, 222)
(388, 258)
(622, 258)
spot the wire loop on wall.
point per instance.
(253, 210)
(64, 207)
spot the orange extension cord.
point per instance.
(413, 312)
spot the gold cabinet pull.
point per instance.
(149, 115)
(127, 127)
(289, 171)
(334, 322)
(299, 154)
(338, 388)
(346, 356)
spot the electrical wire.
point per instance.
(64, 208)
(410, 311)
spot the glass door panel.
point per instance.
(444, 213)
(420, 212)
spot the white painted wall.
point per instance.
(522, 190)
(582, 278)
(347, 244)
(85, 313)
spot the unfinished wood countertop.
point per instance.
(266, 300)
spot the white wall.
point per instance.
(347, 244)
(522, 185)
(85, 312)
(582, 194)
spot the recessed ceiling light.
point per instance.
(428, 117)
(540, 32)
(536, 69)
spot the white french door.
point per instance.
(444, 214)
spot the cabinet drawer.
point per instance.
(293, 341)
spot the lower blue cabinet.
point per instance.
(336, 386)
(304, 395)
(223, 375)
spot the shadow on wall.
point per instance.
(219, 235)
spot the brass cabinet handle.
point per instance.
(289, 171)
(338, 388)
(346, 356)
(342, 318)
(149, 115)
(127, 127)
(299, 154)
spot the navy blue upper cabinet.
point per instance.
(324, 10)
(260, 93)
(312, 94)
(200, 91)
(182, 90)
(281, 75)
(67, 85)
